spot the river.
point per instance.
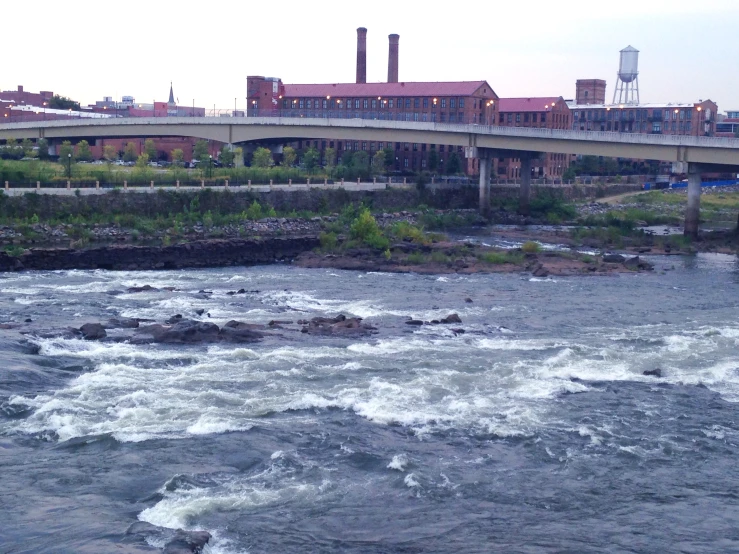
(535, 431)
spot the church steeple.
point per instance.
(171, 94)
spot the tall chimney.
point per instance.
(392, 61)
(361, 55)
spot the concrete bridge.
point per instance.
(699, 154)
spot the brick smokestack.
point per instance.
(392, 60)
(361, 55)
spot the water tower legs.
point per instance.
(692, 212)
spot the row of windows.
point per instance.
(442, 117)
(633, 115)
(374, 103)
(638, 126)
(375, 146)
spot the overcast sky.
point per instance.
(88, 49)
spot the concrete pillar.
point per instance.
(38, 185)
(226, 183)
(151, 185)
(97, 184)
(125, 185)
(525, 190)
(485, 163)
(308, 182)
(202, 183)
(7, 185)
(178, 183)
(69, 185)
(325, 181)
(692, 212)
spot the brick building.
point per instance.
(540, 113)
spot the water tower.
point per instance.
(627, 85)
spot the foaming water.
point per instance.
(386, 441)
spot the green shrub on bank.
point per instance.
(365, 229)
(530, 247)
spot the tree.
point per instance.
(347, 158)
(43, 149)
(84, 154)
(311, 158)
(589, 164)
(226, 156)
(65, 150)
(150, 149)
(378, 162)
(28, 150)
(109, 152)
(433, 160)
(330, 156)
(130, 153)
(178, 156)
(142, 161)
(389, 159)
(262, 158)
(63, 103)
(569, 174)
(453, 164)
(288, 156)
(200, 152)
(238, 157)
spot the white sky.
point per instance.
(87, 49)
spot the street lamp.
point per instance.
(69, 166)
(210, 166)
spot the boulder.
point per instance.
(451, 318)
(186, 331)
(174, 319)
(122, 323)
(187, 542)
(92, 331)
(237, 331)
(339, 325)
(636, 263)
(540, 271)
(656, 372)
(613, 258)
(414, 322)
(145, 288)
(468, 300)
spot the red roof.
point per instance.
(539, 104)
(368, 90)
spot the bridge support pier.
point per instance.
(485, 163)
(692, 212)
(524, 193)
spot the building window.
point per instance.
(415, 147)
(543, 118)
(461, 102)
(374, 104)
(415, 116)
(443, 117)
(364, 146)
(518, 118)
(424, 117)
(302, 104)
(406, 146)
(425, 102)
(533, 117)
(433, 117)
(509, 117)
(452, 103)
(657, 127)
(452, 117)
(356, 104)
(365, 103)
(443, 102)
(405, 162)
(525, 118)
(325, 104)
(416, 102)
(501, 118)
(441, 148)
(356, 146)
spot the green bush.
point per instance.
(328, 241)
(530, 247)
(498, 258)
(365, 229)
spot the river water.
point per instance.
(534, 431)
